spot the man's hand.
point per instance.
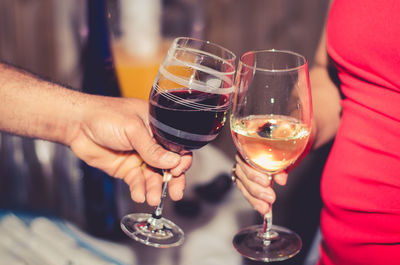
(111, 134)
(114, 136)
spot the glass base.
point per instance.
(250, 243)
(155, 232)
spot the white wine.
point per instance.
(270, 142)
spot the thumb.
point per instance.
(281, 178)
(151, 152)
(156, 156)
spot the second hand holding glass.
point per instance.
(271, 125)
(189, 101)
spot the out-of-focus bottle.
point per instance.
(141, 33)
(137, 45)
(99, 77)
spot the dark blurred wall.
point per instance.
(264, 24)
(27, 34)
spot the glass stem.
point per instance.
(154, 220)
(268, 234)
(267, 224)
(159, 208)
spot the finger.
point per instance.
(254, 189)
(151, 152)
(185, 163)
(259, 205)
(124, 162)
(281, 178)
(136, 182)
(258, 177)
(176, 187)
(154, 183)
(252, 174)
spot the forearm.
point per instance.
(326, 106)
(36, 108)
(326, 97)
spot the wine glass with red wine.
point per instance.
(271, 125)
(189, 101)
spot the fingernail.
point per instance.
(179, 197)
(266, 197)
(281, 178)
(172, 158)
(138, 198)
(262, 209)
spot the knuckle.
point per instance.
(155, 151)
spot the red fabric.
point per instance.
(360, 187)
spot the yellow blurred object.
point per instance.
(136, 74)
(178, 71)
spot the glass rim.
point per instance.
(265, 69)
(209, 43)
(213, 44)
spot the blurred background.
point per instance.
(48, 38)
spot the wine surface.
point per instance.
(187, 119)
(270, 142)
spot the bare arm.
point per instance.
(326, 98)
(108, 133)
(36, 108)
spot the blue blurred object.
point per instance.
(99, 77)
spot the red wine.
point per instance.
(187, 119)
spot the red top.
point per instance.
(360, 186)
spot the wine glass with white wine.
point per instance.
(271, 125)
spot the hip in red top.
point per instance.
(360, 186)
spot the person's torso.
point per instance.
(361, 181)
